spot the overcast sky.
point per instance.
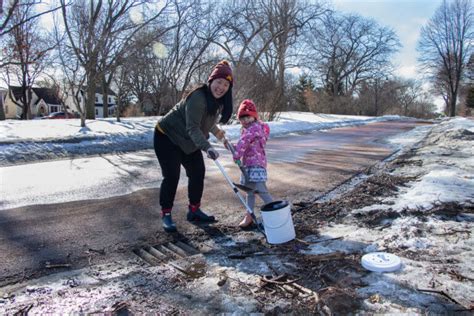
(405, 17)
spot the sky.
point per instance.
(405, 17)
(443, 168)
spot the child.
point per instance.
(250, 150)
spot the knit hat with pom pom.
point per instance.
(222, 70)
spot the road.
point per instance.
(91, 230)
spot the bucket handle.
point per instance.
(273, 227)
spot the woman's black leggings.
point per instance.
(171, 157)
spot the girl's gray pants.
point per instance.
(261, 190)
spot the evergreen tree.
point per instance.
(470, 97)
(304, 88)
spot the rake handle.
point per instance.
(236, 191)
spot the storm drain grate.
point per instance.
(164, 253)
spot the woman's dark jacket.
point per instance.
(188, 123)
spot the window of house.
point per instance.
(96, 99)
(54, 108)
(96, 112)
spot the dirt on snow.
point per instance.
(237, 272)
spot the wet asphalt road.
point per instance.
(92, 231)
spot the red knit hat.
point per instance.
(247, 107)
(222, 70)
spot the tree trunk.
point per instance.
(105, 97)
(29, 94)
(452, 105)
(118, 105)
(90, 99)
(26, 100)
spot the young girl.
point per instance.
(250, 152)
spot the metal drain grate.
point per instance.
(164, 253)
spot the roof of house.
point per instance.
(101, 105)
(98, 90)
(109, 92)
(48, 95)
(17, 91)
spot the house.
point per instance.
(48, 101)
(99, 101)
(43, 102)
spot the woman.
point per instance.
(183, 133)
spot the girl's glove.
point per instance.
(212, 153)
(238, 162)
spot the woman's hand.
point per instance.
(220, 134)
(212, 153)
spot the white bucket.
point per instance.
(277, 222)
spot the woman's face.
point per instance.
(219, 87)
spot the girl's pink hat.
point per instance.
(247, 108)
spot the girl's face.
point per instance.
(246, 120)
(219, 87)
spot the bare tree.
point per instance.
(73, 77)
(123, 89)
(122, 39)
(7, 9)
(73, 81)
(27, 50)
(100, 30)
(167, 65)
(382, 96)
(258, 37)
(410, 90)
(244, 35)
(140, 73)
(349, 49)
(191, 54)
(445, 45)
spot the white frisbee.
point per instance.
(381, 262)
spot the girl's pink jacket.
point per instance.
(251, 146)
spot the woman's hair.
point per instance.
(213, 105)
(228, 106)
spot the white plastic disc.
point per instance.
(381, 262)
